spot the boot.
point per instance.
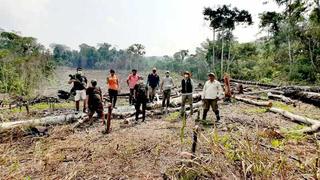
(217, 116)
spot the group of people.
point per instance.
(142, 93)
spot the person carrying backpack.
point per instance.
(113, 87)
(141, 98)
(153, 82)
(79, 85)
(95, 102)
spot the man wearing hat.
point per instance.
(186, 91)
(153, 82)
(212, 92)
(165, 87)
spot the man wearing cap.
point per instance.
(153, 83)
(187, 86)
(212, 92)
(165, 87)
(79, 85)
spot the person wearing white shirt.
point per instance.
(165, 86)
(212, 91)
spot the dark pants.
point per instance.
(166, 98)
(138, 104)
(131, 99)
(213, 103)
(113, 97)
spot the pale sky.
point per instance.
(163, 26)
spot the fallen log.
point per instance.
(257, 103)
(51, 120)
(254, 83)
(294, 117)
(281, 97)
(307, 97)
(302, 88)
(196, 107)
(315, 124)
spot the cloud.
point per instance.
(110, 20)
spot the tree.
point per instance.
(222, 19)
(181, 55)
(136, 51)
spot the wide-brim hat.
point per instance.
(212, 74)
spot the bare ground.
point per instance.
(248, 143)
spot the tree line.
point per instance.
(289, 52)
(24, 63)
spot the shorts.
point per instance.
(80, 95)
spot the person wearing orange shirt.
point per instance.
(113, 87)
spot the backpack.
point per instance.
(95, 97)
(141, 91)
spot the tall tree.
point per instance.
(224, 18)
(136, 51)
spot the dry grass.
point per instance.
(250, 143)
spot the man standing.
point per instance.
(113, 87)
(132, 81)
(187, 90)
(153, 82)
(166, 86)
(79, 85)
(141, 98)
(212, 91)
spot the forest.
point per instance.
(289, 53)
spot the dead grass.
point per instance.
(250, 143)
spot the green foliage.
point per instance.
(173, 117)
(23, 64)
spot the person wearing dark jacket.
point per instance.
(187, 86)
(141, 98)
(79, 85)
(153, 83)
(95, 102)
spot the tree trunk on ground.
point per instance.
(50, 120)
(281, 97)
(257, 103)
(307, 97)
(254, 83)
(315, 124)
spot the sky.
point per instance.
(162, 26)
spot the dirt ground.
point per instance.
(248, 143)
